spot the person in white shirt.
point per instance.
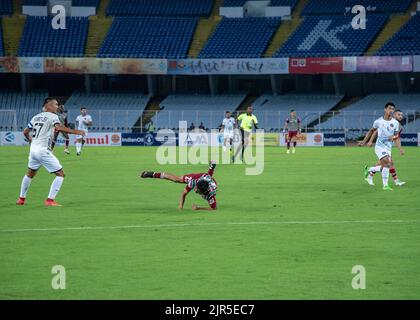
(228, 127)
(388, 131)
(83, 122)
(40, 134)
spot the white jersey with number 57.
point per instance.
(42, 131)
(81, 125)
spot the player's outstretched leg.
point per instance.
(294, 147)
(369, 173)
(394, 176)
(161, 175)
(55, 188)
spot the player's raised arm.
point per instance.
(211, 168)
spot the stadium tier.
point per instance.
(40, 40)
(6, 7)
(273, 3)
(405, 41)
(149, 37)
(75, 3)
(24, 106)
(196, 109)
(331, 36)
(322, 7)
(110, 111)
(192, 8)
(240, 38)
(363, 113)
(1, 40)
(272, 111)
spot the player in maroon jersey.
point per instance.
(293, 128)
(62, 116)
(202, 183)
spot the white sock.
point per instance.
(55, 187)
(26, 182)
(78, 147)
(375, 169)
(385, 176)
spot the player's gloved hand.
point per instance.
(212, 164)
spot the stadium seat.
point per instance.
(75, 3)
(339, 7)
(331, 36)
(196, 109)
(6, 7)
(362, 114)
(406, 41)
(272, 111)
(109, 111)
(1, 41)
(151, 37)
(190, 8)
(240, 38)
(39, 39)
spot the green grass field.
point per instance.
(294, 232)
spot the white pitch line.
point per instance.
(180, 225)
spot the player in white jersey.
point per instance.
(40, 134)
(228, 128)
(83, 122)
(388, 131)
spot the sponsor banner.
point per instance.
(316, 65)
(105, 66)
(271, 139)
(418, 138)
(334, 139)
(229, 66)
(385, 64)
(9, 64)
(416, 63)
(190, 139)
(13, 138)
(99, 139)
(409, 139)
(148, 139)
(306, 139)
(31, 65)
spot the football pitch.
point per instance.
(293, 232)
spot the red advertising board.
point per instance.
(316, 65)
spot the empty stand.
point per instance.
(75, 3)
(110, 111)
(40, 39)
(192, 8)
(195, 109)
(362, 114)
(240, 38)
(331, 36)
(272, 111)
(152, 37)
(6, 7)
(405, 41)
(339, 7)
(26, 106)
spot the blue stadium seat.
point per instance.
(6, 7)
(273, 3)
(193, 8)
(406, 41)
(75, 3)
(240, 38)
(331, 36)
(338, 7)
(41, 40)
(152, 37)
